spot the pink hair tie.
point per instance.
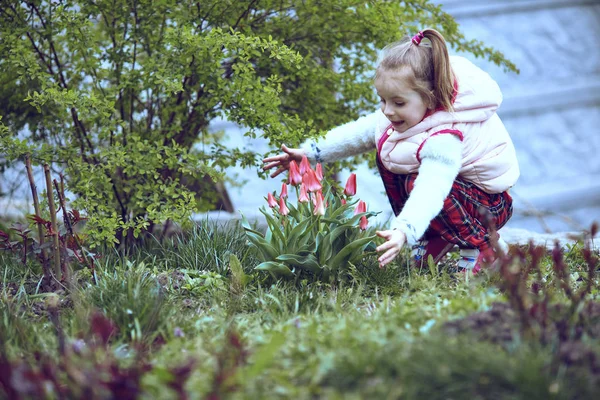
(417, 38)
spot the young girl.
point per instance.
(443, 154)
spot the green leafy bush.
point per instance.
(120, 95)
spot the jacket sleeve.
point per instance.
(441, 157)
(344, 141)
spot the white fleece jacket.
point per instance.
(440, 162)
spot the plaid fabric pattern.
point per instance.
(460, 221)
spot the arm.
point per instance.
(345, 140)
(441, 158)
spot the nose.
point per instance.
(388, 111)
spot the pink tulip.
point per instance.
(283, 191)
(350, 189)
(303, 197)
(283, 210)
(271, 200)
(310, 180)
(363, 222)
(319, 207)
(361, 207)
(304, 165)
(294, 177)
(319, 172)
(343, 202)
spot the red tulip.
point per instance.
(271, 200)
(283, 190)
(363, 222)
(343, 202)
(361, 207)
(304, 165)
(319, 172)
(310, 180)
(350, 189)
(303, 197)
(319, 206)
(283, 210)
(294, 177)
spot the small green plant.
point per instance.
(133, 298)
(319, 236)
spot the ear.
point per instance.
(431, 101)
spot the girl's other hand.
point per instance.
(395, 240)
(282, 161)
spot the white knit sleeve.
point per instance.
(344, 141)
(441, 158)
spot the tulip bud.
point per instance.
(361, 207)
(350, 189)
(284, 193)
(271, 200)
(304, 165)
(294, 177)
(311, 181)
(303, 197)
(283, 210)
(319, 172)
(363, 222)
(319, 206)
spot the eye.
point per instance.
(381, 100)
(399, 103)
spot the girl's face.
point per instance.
(403, 106)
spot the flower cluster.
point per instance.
(321, 234)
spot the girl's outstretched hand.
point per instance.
(282, 161)
(395, 240)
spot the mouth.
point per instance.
(397, 123)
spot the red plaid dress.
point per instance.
(460, 221)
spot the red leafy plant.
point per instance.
(55, 246)
(87, 367)
(550, 302)
(319, 235)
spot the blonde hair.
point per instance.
(429, 62)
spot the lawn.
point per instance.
(180, 319)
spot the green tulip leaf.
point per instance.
(275, 268)
(277, 238)
(345, 254)
(268, 252)
(246, 225)
(308, 262)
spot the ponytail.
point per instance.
(443, 77)
(429, 61)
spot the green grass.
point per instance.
(377, 334)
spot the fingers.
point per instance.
(386, 246)
(272, 165)
(277, 158)
(384, 234)
(392, 246)
(278, 171)
(281, 161)
(387, 257)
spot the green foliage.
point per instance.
(207, 246)
(386, 334)
(132, 298)
(120, 95)
(307, 242)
